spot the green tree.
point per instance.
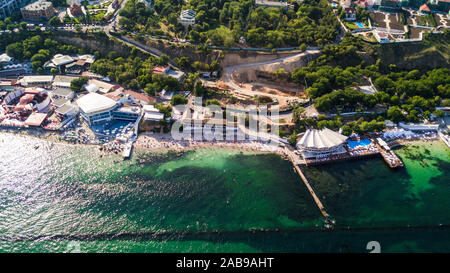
(77, 84)
(178, 100)
(54, 21)
(395, 114)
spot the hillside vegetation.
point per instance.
(224, 22)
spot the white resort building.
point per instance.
(187, 17)
(96, 108)
(316, 144)
(152, 114)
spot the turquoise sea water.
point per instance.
(57, 195)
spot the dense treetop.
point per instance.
(224, 22)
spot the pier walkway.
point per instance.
(296, 161)
(127, 150)
(388, 155)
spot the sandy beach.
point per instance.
(166, 142)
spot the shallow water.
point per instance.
(215, 201)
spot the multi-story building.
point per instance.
(187, 17)
(9, 6)
(316, 144)
(96, 109)
(37, 11)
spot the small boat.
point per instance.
(36, 147)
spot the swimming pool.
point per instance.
(363, 142)
(359, 24)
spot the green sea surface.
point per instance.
(55, 196)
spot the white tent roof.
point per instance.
(60, 59)
(321, 139)
(4, 58)
(94, 102)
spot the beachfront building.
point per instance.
(316, 144)
(95, 108)
(63, 81)
(36, 119)
(187, 17)
(422, 127)
(151, 118)
(152, 114)
(66, 111)
(127, 113)
(63, 93)
(36, 80)
(37, 11)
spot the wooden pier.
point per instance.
(388, 155)
(296, 161)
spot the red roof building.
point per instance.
(160, 69)
(115, 95)
(424, 8)
(143, 98)
(140, 97)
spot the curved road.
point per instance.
(239, 90)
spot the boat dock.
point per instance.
(388, 155)
(127, 150)
(296, 161)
